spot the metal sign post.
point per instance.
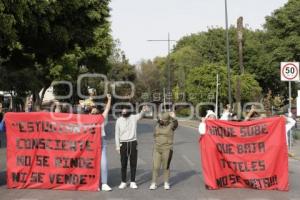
(290, 97)
(289, 71)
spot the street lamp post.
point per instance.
(168, 59)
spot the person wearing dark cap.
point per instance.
(163, 147)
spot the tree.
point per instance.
(209, 47)
(250, 89)
(183, 60)
(283, 44)
(122, 71)
(201, 84)
(148, 80)
(44, 35)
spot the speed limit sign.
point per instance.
(289, 71)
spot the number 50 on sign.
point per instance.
(289, 71)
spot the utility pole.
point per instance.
(228, 55)
(168, 60)
(241, 64)
(240, 30)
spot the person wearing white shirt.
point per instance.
(202, 126)
(226, 115)
(126, 144)
(290, 123)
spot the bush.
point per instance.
(183, 112)
(296, 134)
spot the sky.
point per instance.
(136, 21)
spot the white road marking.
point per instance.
(188, 161)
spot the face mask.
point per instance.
(126, 114)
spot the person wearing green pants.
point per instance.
(163, 147)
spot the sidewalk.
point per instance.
(295, 150)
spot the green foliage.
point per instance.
(250, 89)
(278, 102)
(122, 71)
(262, 50)
(283, 40)
(46, 40)
(183, 112)
(201, 83)
(296, 134)
(150, 75)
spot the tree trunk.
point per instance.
(43, 95)
(36, 101)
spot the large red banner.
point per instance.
(53, 150)
(250, 154)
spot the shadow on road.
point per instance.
(142, 176)
(2, 140)
(182, 176)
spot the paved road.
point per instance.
(187, 180)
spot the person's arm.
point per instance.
(290, 123)
(107, 107)
(202, 128)
(174, 121)
(247, 118)
(225, 116)
(57, 107)
(117, 136)
(141, 114)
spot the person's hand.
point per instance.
(253, 109)
(172, 114)
(94, 111)
(145, 109)
(228, 107)
(118, 151)
(202, 119)
(108, 97)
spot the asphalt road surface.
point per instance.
(186, 176)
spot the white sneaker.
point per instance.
(106, 188)
(153, 186)
(133, 185)
(122, 185)
(167, 186)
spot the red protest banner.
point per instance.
(53, 151)
(250, 154)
